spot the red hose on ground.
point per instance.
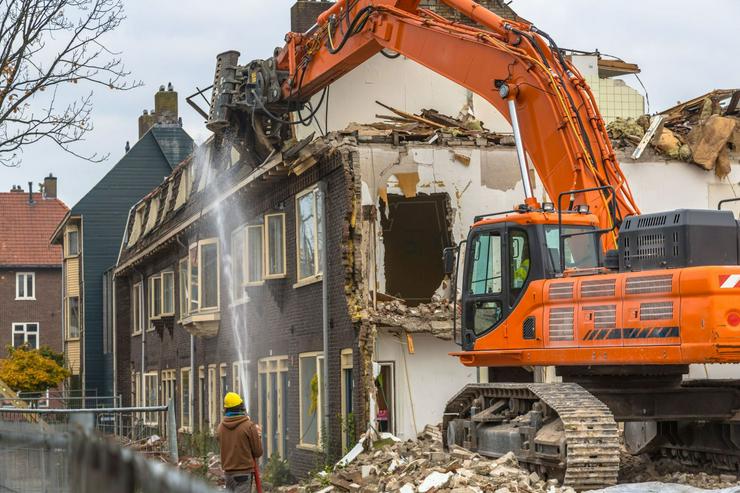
(257, 480)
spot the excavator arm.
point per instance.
(503, 62)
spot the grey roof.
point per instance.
(174, 143)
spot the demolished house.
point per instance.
(310, 279)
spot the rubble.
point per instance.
(642, 470)
(433, 318)
(423, 466)
(704, 131)
(429, 126)
(209, 467)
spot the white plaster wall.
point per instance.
(489, 183)
(433, 377)
(402, 84)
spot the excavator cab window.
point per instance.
(519, 262)
(581, 252)
(486, 282)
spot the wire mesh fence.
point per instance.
(72, 450)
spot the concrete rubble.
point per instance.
(432, 318)
(423, 466)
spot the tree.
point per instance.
(47, 47)
(29, 370)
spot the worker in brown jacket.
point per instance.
(240, 440)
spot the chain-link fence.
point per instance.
(71, 450)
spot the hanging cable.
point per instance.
(301, 120)
(386, 54)
(358, 23)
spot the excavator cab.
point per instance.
(505, 252)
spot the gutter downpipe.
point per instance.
(325, 303)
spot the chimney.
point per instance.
(146, 121)
(165, 105)
(30, 192)
(16, 189)
(303, 14)
(50, 187)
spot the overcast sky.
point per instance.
(682, 51)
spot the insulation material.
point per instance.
(407, 183)
(714, 136)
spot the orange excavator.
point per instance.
(619, 302)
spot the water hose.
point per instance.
(257, 479)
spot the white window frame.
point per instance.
(68, 312)
(24, 284)
(22, 328)
(165, 274)
(183, 287)
(151, 306)
(199, 248)
(67, 242)
(317, 271)
(223, 381)
(346, 363)
(213, 399)
(137, 319)
(185, 403)
(202, 404)
(267, 366)
(236, 383)
(136, 385)
(169, 382)
(319, 401)
(247, 246)
(266, 248)
(151, 418)
(238, 278)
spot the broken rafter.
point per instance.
(411, 116)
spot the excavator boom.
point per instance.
(504, 62)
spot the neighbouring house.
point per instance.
(234, 269)
(90, 236)
(30, 268)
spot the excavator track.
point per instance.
(591, 456)
(592, 435)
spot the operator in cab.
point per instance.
(240, 441)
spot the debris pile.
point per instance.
(433, 318)
(209, 467)
(704, 131)
(640, 469)
(429, 126)
(422, 466)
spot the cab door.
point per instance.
(484, 297)
(499, 270)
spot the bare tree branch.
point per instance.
(46, 45)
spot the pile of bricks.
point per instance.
(424, 466)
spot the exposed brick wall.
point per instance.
(46, 309)
(281, 319)
(498, 7)
(303, 14)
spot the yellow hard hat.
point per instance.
(232, 399)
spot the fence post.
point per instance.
(172, 432)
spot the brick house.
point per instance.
(30, 268)
(90, 236)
